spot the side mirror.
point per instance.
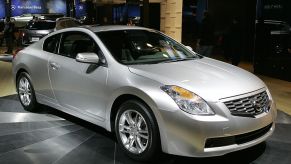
(189, 48)
(87, 57)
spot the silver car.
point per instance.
(22, 20)
(151, 91)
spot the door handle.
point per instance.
(54, 65)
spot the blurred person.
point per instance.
(195, 29)
(205, 40)
(289, 44)
(8, 34)
(235, 41)
(289, 48)
(130, 22)
(105, 21)
(1, 29)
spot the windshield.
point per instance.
(144, 47)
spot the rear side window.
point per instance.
(66, 23)
(72, 23)
(77, 42)
(51, 44)
(40, 25)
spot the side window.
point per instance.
(51, 44)
(61, 24)
(77, 42)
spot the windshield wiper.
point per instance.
(177, 60)
(161, 61)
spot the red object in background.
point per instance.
(15, 52)
(220, 40)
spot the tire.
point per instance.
(26, 92)
(132, 137)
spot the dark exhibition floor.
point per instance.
(54, 137)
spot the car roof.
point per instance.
(96, 28)
(65, 18)
(42, 20)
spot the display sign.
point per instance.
(133, 10)
(81, 9)
(19, 7)
(274, 10)
(56, 6)
(2, 9)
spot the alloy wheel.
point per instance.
(24, 91)
(133, 131)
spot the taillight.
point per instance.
(16, 52)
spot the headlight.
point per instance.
(188, 101)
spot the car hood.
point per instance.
(208, 78)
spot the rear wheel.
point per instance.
(26, 93)
(136, 131)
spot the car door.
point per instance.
(40, 76)
(78, 86)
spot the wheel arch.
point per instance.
(119, 101)
(19, 71)
(16, 75)
(129, 93)
(19, 67)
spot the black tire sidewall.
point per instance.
(33, 104)
(154, 141)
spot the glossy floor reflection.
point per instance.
(54, 137)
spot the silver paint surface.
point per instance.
(90, 96)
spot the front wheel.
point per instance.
(137, 131)
(26, 93)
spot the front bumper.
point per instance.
(189, 135)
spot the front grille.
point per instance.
(249, 106)
(237, 139)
